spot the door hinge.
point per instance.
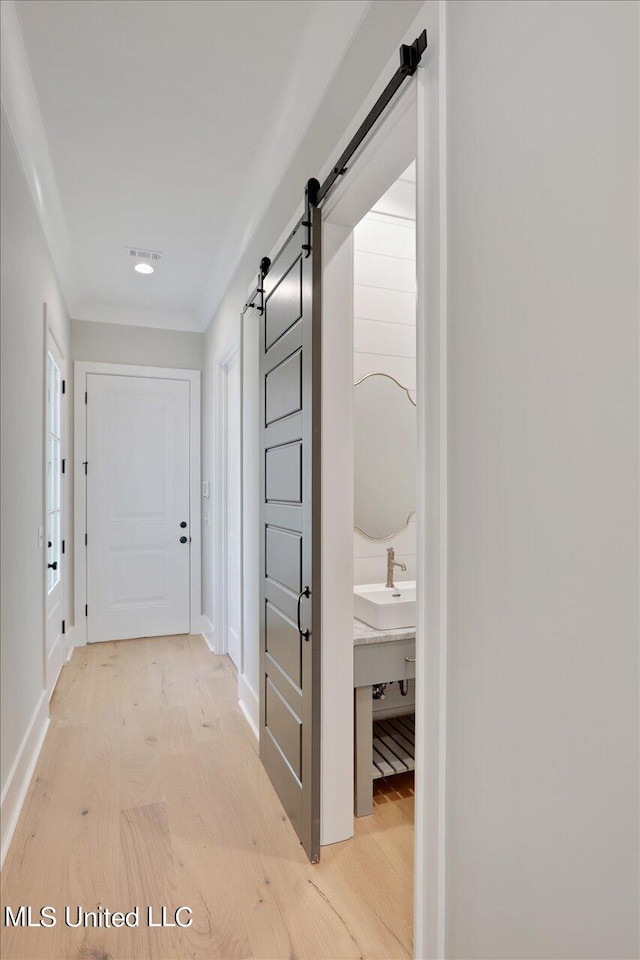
(63, 626)
(85, 397)
(84, 464)
(63, 546)
(64, 386)
(86, 609)
(64, 465)
(86, 540)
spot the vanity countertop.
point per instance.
(363, 633)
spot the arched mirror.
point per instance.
(384, 456)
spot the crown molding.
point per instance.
(22, 113)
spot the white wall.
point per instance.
(28, 282)
(542, 732)
(144, 346)
(384, 330)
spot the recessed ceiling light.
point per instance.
(144, 261)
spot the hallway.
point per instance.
(319, 412)
(149, 792)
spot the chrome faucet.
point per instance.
(391, 563)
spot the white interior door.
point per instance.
(54, 528)
(138, 523)
(233, 511)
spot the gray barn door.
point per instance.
(290, 530)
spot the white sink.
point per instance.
(385, 608)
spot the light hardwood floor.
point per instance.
(149, 791)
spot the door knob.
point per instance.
(183, 539)
(53, 566)
(183, 524)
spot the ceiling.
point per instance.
(159, 117)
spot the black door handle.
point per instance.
(305, 634)
(53, 566)
(183, 539)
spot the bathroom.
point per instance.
(370, 523)
(384, 539)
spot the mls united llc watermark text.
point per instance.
(77, 916)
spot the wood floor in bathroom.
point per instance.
(149, 792)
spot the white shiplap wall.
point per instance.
(385, 342)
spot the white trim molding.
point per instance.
(81, 369)
(17, 785)
(432, 508)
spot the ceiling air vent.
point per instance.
(151, 256)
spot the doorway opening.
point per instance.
(371, 588)
(370, 446)
(384, 489)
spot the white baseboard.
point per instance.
(17, 784)
(72, 642)
(249, 704)
(56, 660)
(208, 632)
